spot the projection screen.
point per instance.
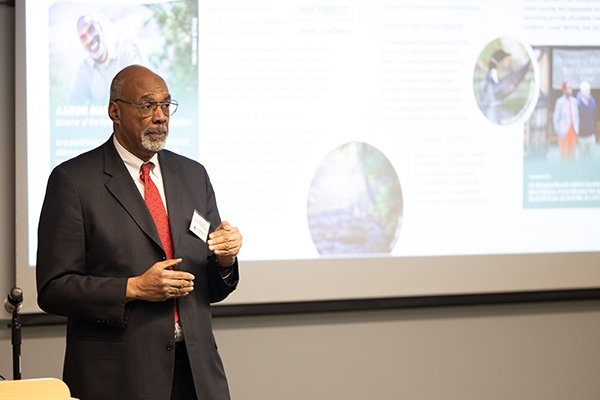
(379, 149)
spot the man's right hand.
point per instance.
(160, 283)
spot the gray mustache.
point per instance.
(159, 131)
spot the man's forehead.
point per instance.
(163, 95)
(144, 81)
(85, 24)
(145, 90)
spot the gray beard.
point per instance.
(154, 145)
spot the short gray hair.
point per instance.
(116, 87)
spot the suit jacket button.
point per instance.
(170, 346)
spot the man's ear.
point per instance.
(113, 111)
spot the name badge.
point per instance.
(199, 226)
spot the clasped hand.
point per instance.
(225, 242)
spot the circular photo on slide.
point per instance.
(504, 81)
(355, 202)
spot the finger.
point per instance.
(184, 283)
(224, 238)
(171, 273)
(186, 290)
(178, 292)
(179, 275)
(222, 229)
(216, 235)
(169, 263)
(179, 284)
(224, 225)
(170, 293)
(234, 245)
(215, 242)
(233, 237)
(230, 248)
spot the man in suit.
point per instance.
(137, 300)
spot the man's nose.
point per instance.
(159, 116)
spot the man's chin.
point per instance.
(97, 52)
(154, 144)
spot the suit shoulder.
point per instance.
(83, 159)
(180, 160)
(81, 167)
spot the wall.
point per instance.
(530, 351)
(524, 351)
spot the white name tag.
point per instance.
(199, 226)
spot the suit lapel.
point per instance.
(176, 198)
(120, 185)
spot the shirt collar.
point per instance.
(134, 163)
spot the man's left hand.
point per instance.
(225, 242)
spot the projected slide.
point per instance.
(347, 138)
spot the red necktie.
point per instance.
(159, 215)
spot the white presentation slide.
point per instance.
(363, 148)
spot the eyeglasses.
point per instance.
(148, 108)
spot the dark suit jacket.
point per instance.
(95, 232)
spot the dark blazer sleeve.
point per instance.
(64, 285)
(221, 287)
